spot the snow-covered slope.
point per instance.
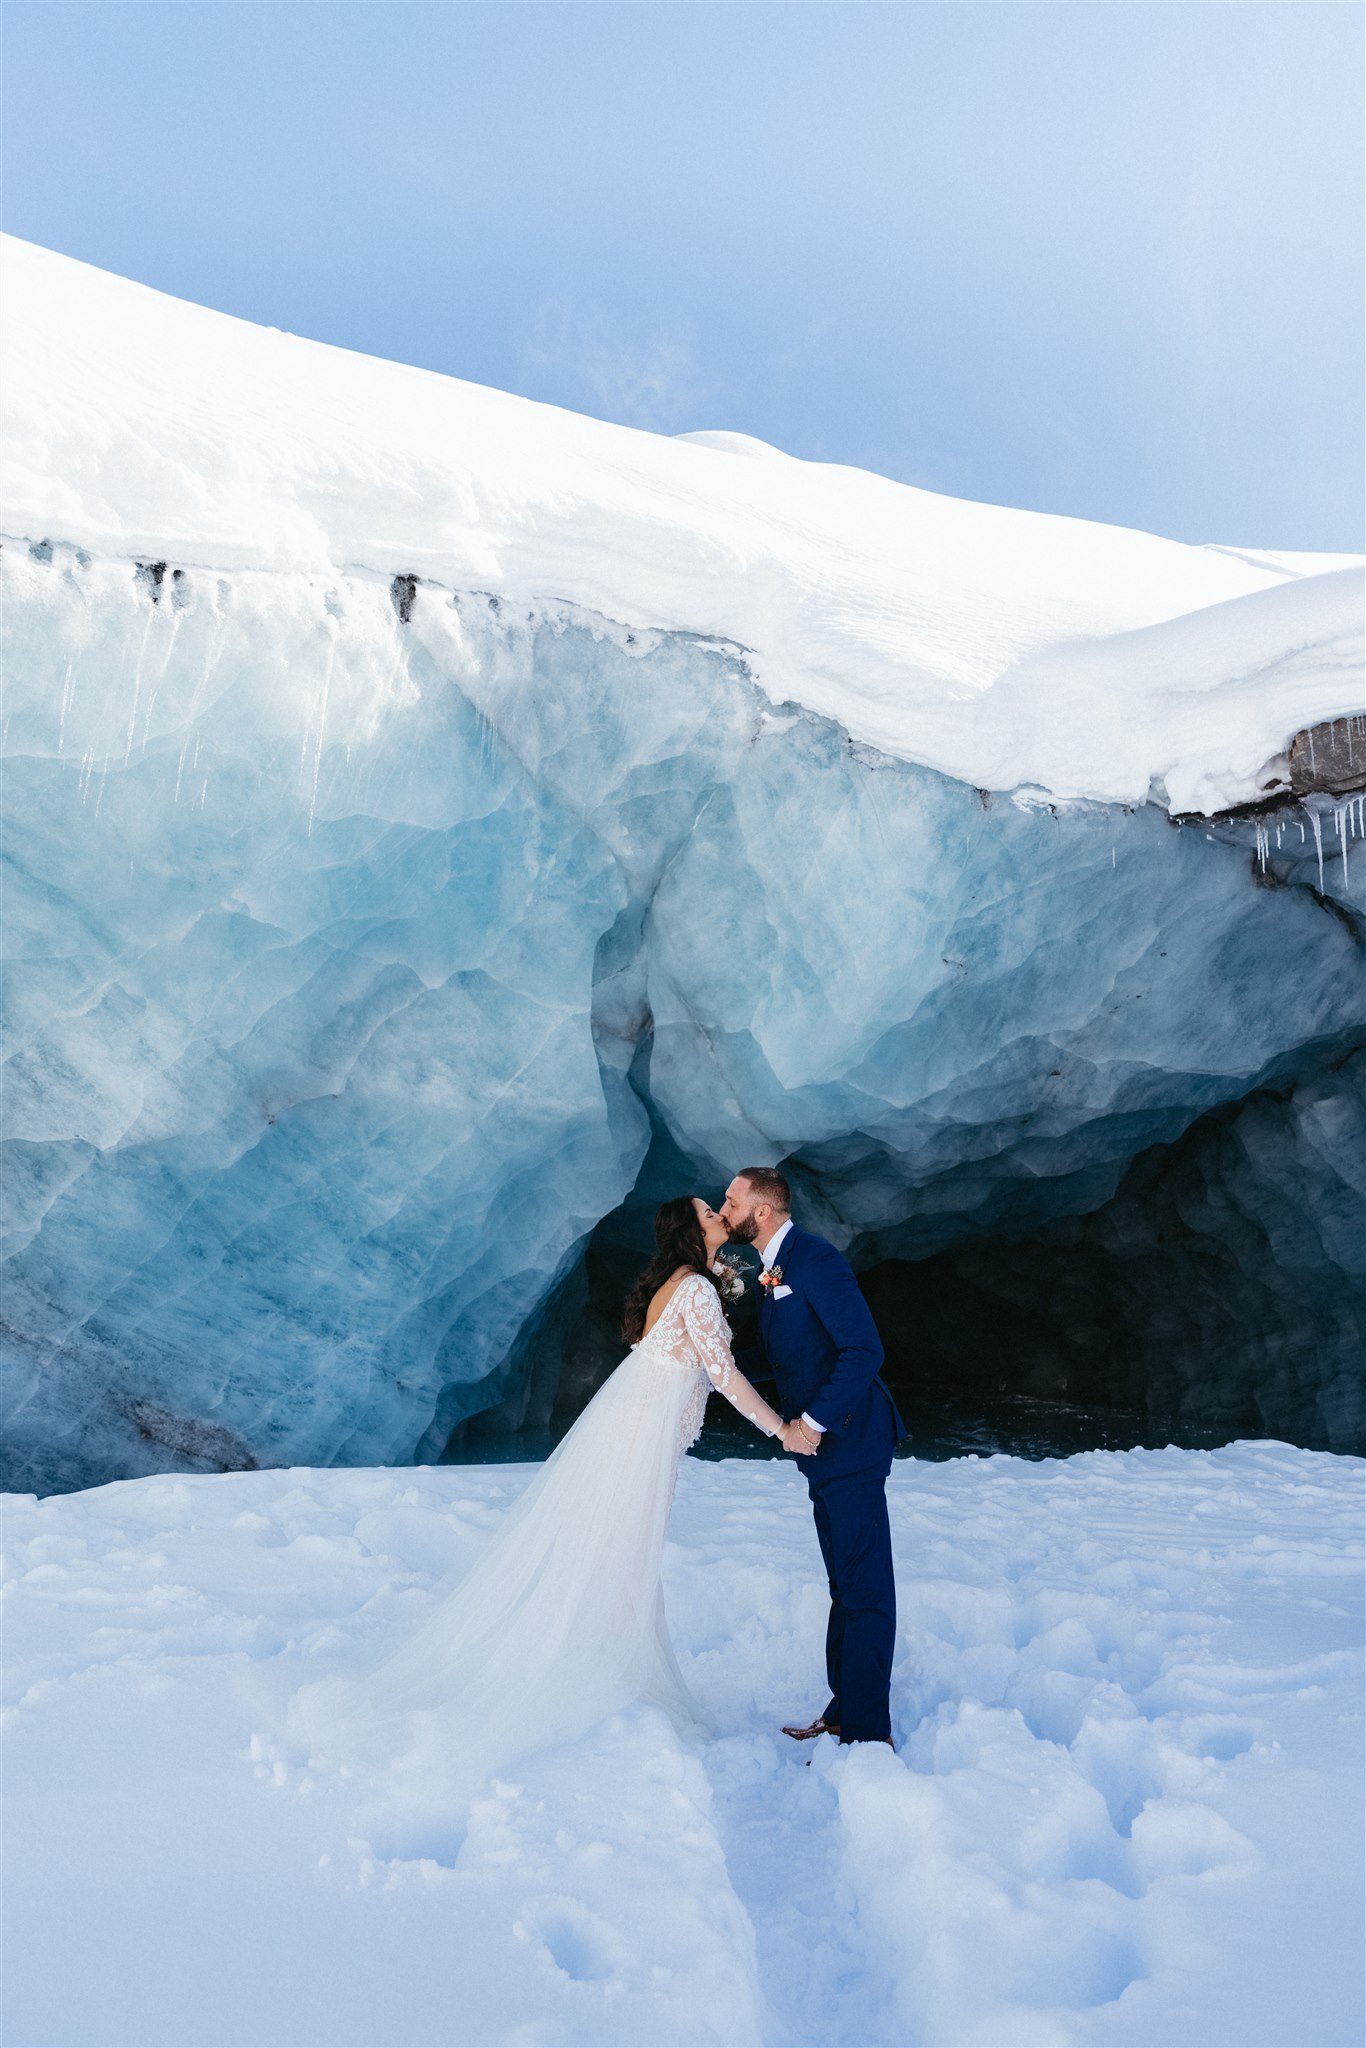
(998, 646)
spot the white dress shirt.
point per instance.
(769, 1255)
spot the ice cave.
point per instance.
(438, 826)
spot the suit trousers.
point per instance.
(856, 1544)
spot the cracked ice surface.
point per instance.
(1126, 1806)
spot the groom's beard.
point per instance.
(743, 1233)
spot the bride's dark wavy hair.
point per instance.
(678, 1235)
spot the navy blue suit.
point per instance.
(821, 1346)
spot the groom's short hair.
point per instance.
(770, 1186)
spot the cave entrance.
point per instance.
(1219, 1293)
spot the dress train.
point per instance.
(560, 1622)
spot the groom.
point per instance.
(821, 1345)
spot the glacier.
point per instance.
(437, 827)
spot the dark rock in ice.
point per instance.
(1329, 757)
(204, 1443)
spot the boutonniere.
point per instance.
(772, 1276)
(730, 1279)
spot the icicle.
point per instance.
(1112, 856)
(1260, 830)
(66, 699)
(1300, 823)
(322, 721)
(137, 688)
(1340, 822)
(1318, 845)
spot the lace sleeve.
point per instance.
(706, 1326)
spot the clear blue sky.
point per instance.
(1101, 258)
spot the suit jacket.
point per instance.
(822, 1349)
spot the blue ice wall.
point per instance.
(359, 936)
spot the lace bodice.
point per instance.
(692, 1332)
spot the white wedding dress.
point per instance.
(560, 1622)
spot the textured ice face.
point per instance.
(303, 1097)
(361, 964)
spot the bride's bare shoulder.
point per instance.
(664, 1294)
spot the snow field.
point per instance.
(1126, 1805)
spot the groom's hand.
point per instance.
(795, 1439)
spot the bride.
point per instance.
(560, 1622)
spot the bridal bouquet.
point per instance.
(730, 1276)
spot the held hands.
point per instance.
(802, 1442)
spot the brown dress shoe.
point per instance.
(820, 1726)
